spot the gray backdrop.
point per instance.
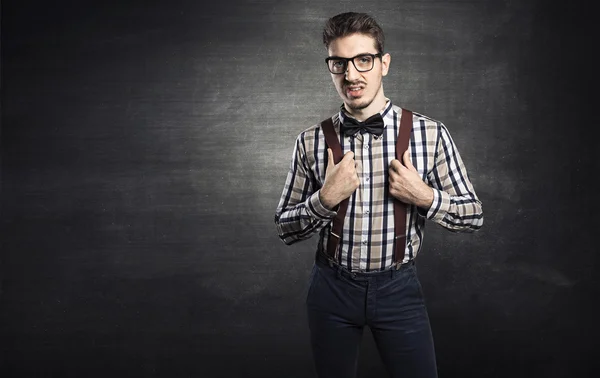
(145, 146)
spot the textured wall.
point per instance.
(145, 146)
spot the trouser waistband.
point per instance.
(325, 260)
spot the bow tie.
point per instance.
(373, 124)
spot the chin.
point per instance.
(358, 103)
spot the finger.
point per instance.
(330, 161)
(348, 155)
(393, 175)
(407, 162)
(395, 165)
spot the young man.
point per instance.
(364, 272)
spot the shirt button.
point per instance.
(364, 242)
(366, 146)
(367, 212)
(367, 179)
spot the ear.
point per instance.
(386, 59)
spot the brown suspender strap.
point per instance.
(400, 207)
(333, 142)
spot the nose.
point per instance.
(351, 73)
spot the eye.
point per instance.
(365, 59)
(337, 63)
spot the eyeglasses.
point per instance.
(362, 63)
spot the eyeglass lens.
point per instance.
(361, 63)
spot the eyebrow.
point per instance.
(341, 57)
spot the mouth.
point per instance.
(354, 90)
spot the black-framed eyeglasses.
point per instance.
(362, 63)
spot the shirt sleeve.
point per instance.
(300, 213)
(455, 205)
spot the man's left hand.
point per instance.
(406, 184)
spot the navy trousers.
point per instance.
(340, 304)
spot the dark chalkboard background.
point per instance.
(145, 146)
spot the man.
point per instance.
(365, 275)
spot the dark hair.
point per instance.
(348, 23)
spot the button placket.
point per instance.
(366, 198)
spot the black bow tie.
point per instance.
(373, 124)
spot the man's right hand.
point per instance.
(341, 180)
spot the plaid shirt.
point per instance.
(367, 241)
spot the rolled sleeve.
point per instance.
(439, 207)
(317, 209)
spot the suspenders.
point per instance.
(332, 140)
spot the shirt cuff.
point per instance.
(317, 209)
(439, 207)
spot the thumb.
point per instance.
(330, 161)
(407, 163)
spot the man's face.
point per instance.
(360, 91)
